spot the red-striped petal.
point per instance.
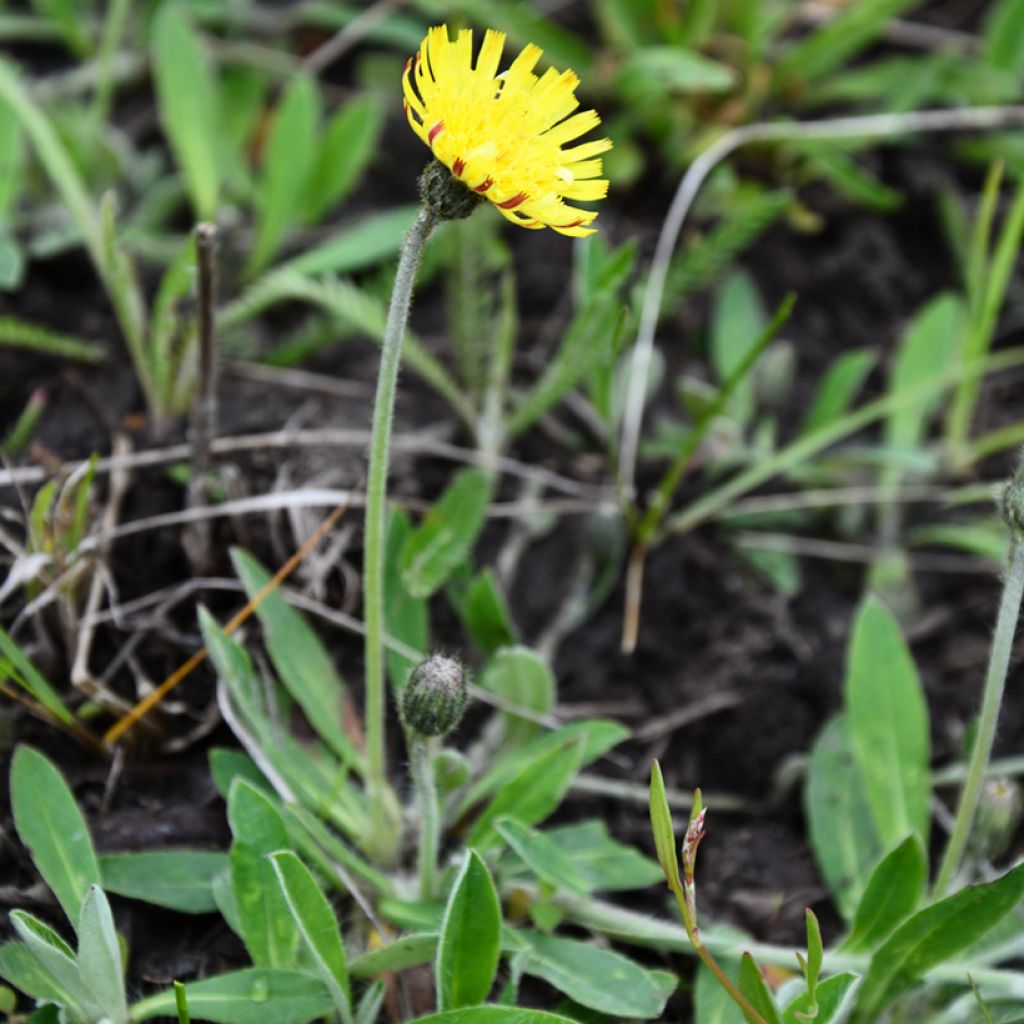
(484, 185)
(515, 201)
(458, 166)
(435, 131)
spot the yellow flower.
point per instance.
(502, 135)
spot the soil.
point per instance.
(709, 625)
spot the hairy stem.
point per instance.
(385, 824)
(422, 750)
(992, 698)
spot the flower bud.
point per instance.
(434, 696)
(999, 814)
(446, 196)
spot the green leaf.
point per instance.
(52, 827)
(597, 978)
(186, 91)
(253, 996)
(37, 338)
(349, 142)
(317, 925)
(520, 676)
(654, 73)
(892, 894)
(304, 666)
(69, 18)
(494, 1015)
(841, 827)
(533, 794)
(837, 391)
(843, 37)
(752, 985)
(888, 725)
(288, 161)
(542, 855)
(470, 944)
(737, 323)
(180, 880)
(267, 928)
(23, 970)
(664, 832)
(55, 958)
(712, 1003)
(927, 347)
(1004, 36)
(604, 864)
(486, 613)
(931, 937)
(830, 995)
(226, 763)
(99, 957)
(28, 677)
(405, 617)
(356, 246)
(597, 737)
(444, 539)
(408, 951)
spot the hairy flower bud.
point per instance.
(446, 196)
(434, 696)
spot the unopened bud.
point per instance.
(434, 698)
(446, 196)
(1011, 502)
(999, 814)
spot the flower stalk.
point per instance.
(422, 752)
(382, 801)
(995, 684)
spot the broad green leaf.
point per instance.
(932, 936)
(30, 678)
(226, 763)
(470, 942)
(408, 951)
(520, 676)
(597, 978)
(542, 855)
(99, 957)
(751, 984)
(186, 91)
(488, 620)
(533, 794)
(605, 864)
(841, 827)
(52, 827)
(26, 972)
(840, 386)
(288, 160)
(664, 832)
(597, 737)
(348, 145)
(304, 666)
(494, 1015)
(180, 880)
(445, 537)
(405, 617)
(927, 348)
(53, 955)
(888, 721)
(737, 322)
(267, 928)
(830, 995)
(892, 894)
(253, 996)
(317, 925)
(359, 245)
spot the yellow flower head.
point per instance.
(502, 135)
